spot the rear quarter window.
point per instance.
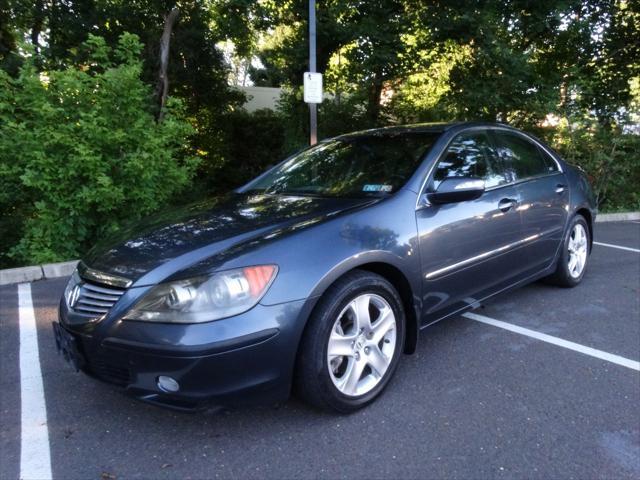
(549, 161)
(522, 158)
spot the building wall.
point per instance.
(261, 97)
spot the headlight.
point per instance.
(206, 298)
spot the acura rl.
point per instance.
(320, 273)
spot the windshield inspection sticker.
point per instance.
(377, 188)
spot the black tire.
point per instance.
(312, 381)
(562, 277)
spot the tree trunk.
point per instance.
(7, 35)
(162, 89)
(375, 92)
(36, 28)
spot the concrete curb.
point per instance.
(617, 217)
(37, 272)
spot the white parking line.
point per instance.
(617, 246)
(576, 347)
(35, 459)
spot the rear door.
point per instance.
(468, 249)
(543, 193)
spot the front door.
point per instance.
(468, 249)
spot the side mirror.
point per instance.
(452, 190)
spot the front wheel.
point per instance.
(352, 344)
(574, 256)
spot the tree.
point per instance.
(80, 152)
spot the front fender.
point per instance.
(311, 259)
(360, 260)
(311, 256)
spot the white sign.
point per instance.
(312, 87)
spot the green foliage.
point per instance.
(493, 60)
(610, 158)
(197, 70)
(404, 61)
(80, 152)
(337, 115)
(250, 142)
(424, 96)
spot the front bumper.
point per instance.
(245, 359)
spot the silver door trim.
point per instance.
(485, 255)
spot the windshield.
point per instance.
(349, 167)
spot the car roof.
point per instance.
(416, 128)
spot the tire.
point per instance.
(348, 381)
(575, 248)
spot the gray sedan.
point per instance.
(320, 273)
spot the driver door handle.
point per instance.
(507, 204)
(560, 188)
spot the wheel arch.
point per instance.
(400, 282)
(586, 213)
(394, 275)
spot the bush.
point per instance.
(610, 157)
(336, 116)
(251, 142)
(80, 152)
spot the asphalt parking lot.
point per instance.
(475, 401)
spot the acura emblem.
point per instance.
(74, 295)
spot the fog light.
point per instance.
(168, 384)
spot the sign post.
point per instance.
(310, 78)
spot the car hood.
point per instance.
(184, 236)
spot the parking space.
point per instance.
(604, 312)
(475, 401)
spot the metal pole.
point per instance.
(313, 111)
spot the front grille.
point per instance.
(95, 300)
(90, 299)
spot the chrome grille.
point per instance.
(96, 300)
(90, 299)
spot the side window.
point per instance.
(522, 158)
(549, 162)
(470, 155)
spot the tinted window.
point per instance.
(351, 166)
(549, 162)
(522, 158)
(470, 155)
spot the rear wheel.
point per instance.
(352, 344)
(572, 263)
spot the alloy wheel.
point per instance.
(577, 251)
(362, 344)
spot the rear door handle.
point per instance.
(506, 204)
(560, 188)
